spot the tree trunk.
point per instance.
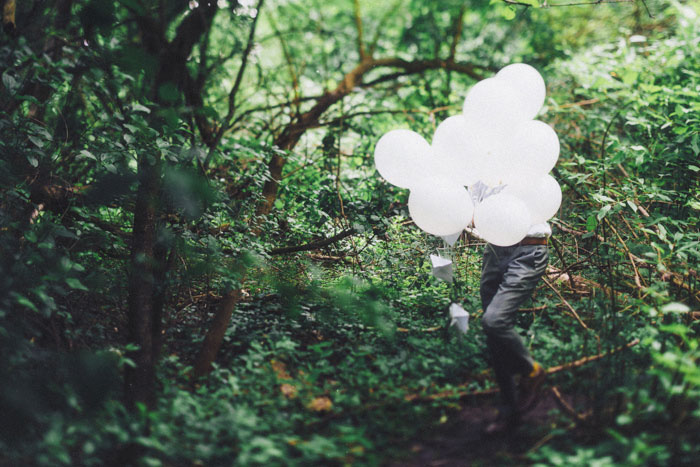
(215, 336)
(147, 290)
(139, 382)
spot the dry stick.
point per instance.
(566, 407)
(534, 308)
(637, 277)
(312, 245)
(631, 230)
(568, 305)
(551, 370)
(358, 26)
(432, 329)
(563, 262)
(579, 103)
(545, 439)
(340, 197)
(591, 358)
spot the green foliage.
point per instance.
(340, 355)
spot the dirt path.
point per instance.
(460, 442)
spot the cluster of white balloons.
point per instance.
(495, 141)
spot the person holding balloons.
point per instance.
(509, 275)
(488, 168)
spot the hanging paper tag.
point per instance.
(442, 268)
(459, 318)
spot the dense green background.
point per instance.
(158, 156)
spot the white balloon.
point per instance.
(440, 207)
(496, 105)
(455, 149)
(470, 150)
(502, 219)
(533, 151)
(529, 84)
(541, 195)
(400, 157)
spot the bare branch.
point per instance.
(380, 26)
(313, 245)
(365, 113)
(594, 2)
(482, 392)
(592, 358)
(358, 25)
(568, 305)
(236, 84)
(459, 28)
(546, 4)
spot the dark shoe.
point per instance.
(503, 424)
(530, 388)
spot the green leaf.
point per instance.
(675, 307)
(624, 419)
(75, 283)
(629, 77)
(9, 81)
(24, 301)
(140, 108)
(508, 13)
(603, 211)
(591, 223)
(87, 155)
(37, 142)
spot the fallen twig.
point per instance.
(591, 358)
(432, 329)
(312, 245)
(580, 103)
(483, 392)
(566, 407)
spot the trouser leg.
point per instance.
(516, 270)
(504, 376)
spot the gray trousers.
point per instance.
(508, 277)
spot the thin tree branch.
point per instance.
(566, 407)
(380, 26)
(551, 370)
(236, 84)
(595, 2)
(313, 245)
(567, 304)
(459, 28)
(591, 358)
(290, 63)
(358, 26)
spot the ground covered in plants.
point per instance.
(200, 266)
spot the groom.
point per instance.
(508, 277)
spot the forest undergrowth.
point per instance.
(338, 349)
